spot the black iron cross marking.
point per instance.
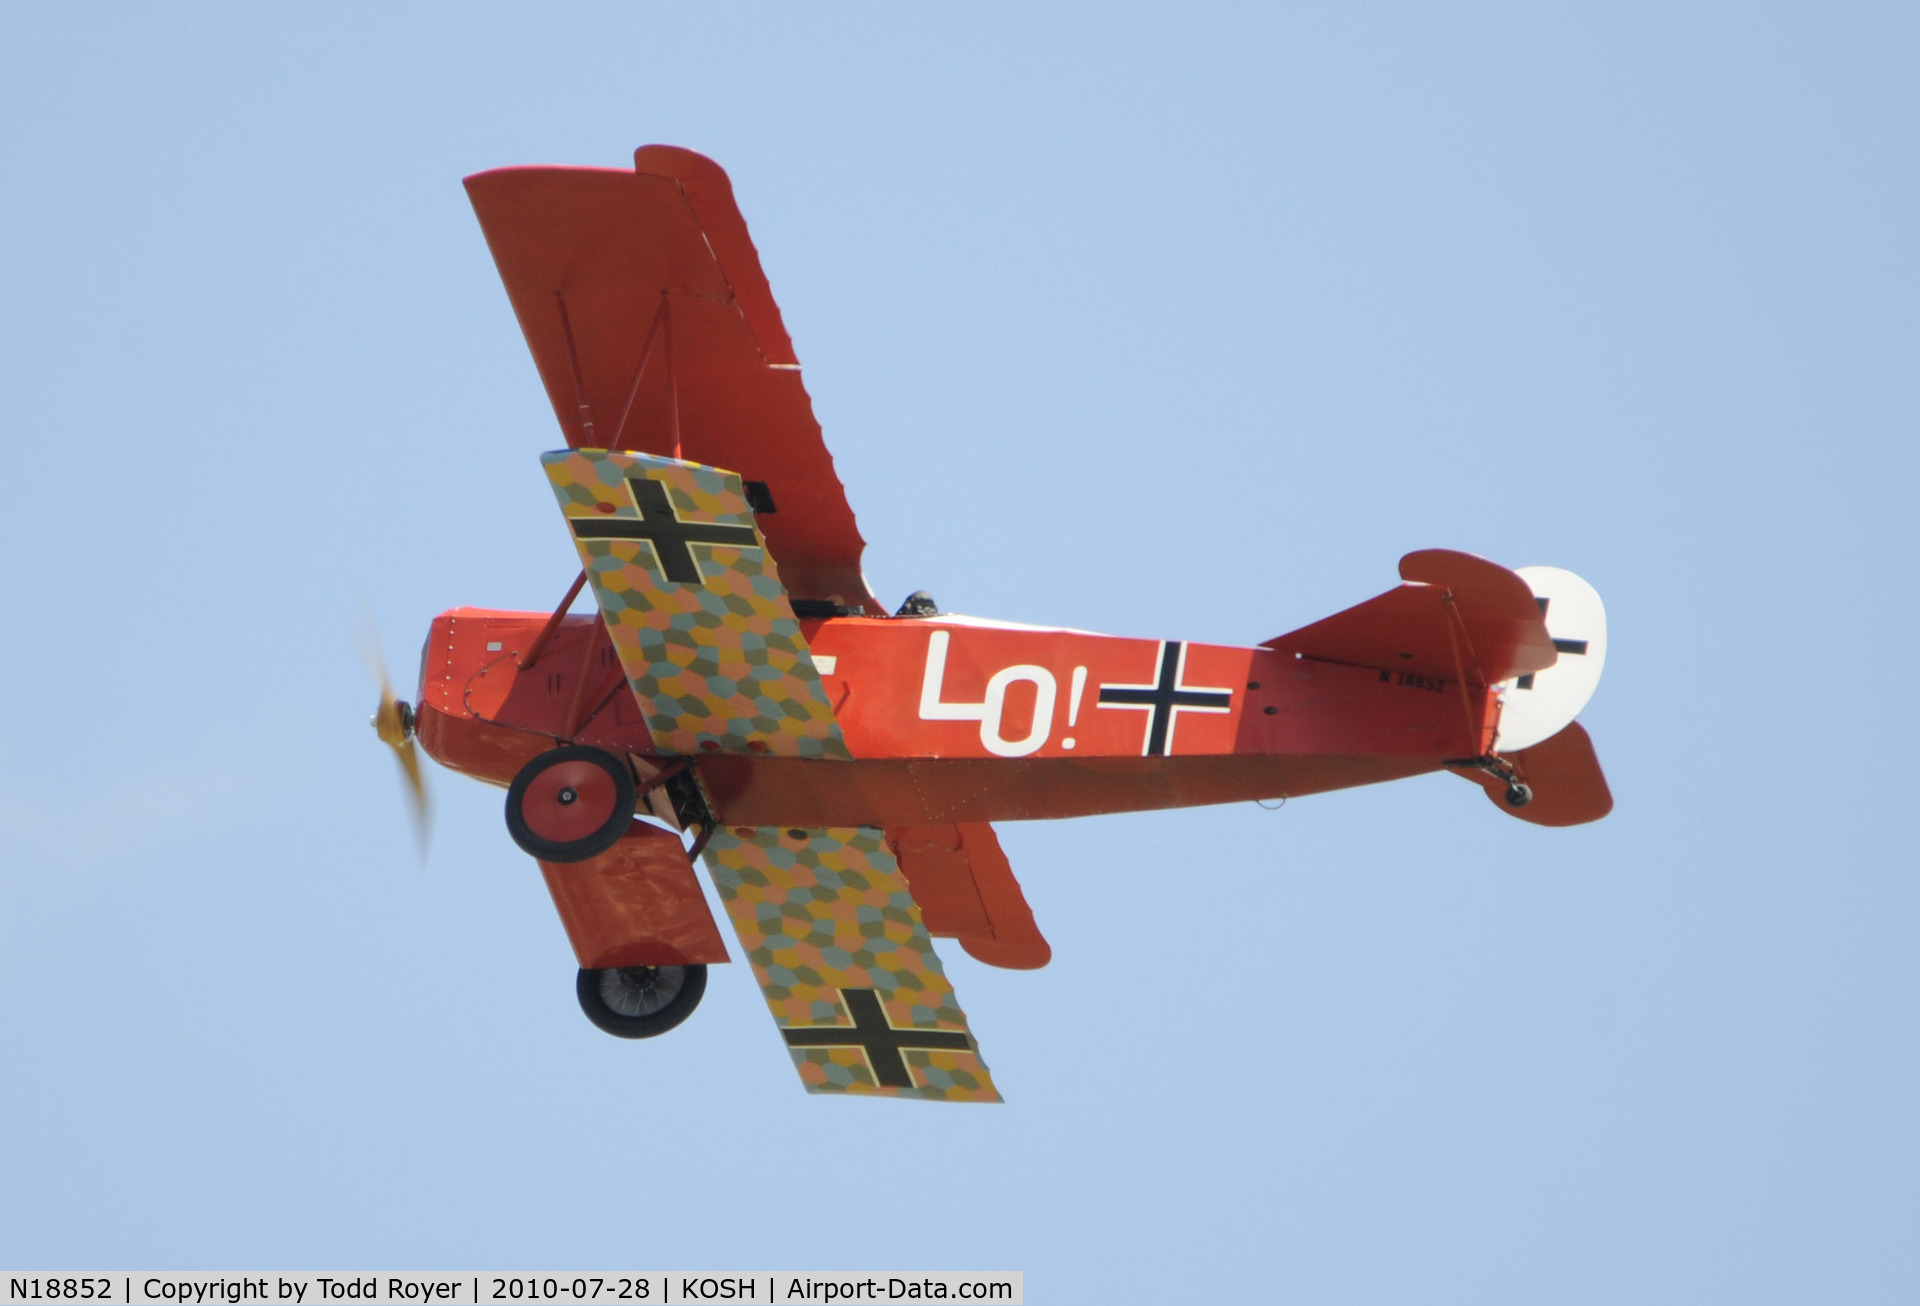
(1559, 646)
(876, 1036)
(1166, 697)
(661, 527)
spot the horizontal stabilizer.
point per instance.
(636, 904)
(1458, 618)
(966, 891)
(1564, 775)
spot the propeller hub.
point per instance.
(394, 722)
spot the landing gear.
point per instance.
(1518, 794)
(640, 1001)
(570, 804)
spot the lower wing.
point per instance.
(846, 964)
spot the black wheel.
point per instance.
(640, 1001)
(1518, 795)
(570, 804)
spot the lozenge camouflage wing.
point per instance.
(694, 604)
(846, 964)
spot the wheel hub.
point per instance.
(569, 801)
(641, 990)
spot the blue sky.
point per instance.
(1630, 292)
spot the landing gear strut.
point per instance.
(640, 1001)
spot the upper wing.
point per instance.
(650, 320)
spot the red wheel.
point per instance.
(570, 804)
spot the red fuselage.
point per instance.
(954, 719)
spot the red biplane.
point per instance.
(838, 768)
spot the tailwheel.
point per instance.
(640, 1001)
(570, 804)
(1519, 792)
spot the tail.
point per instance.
(1560, 776)
(1536, 637)
(1549, 753)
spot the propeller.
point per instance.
(393, 722)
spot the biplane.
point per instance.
(742, 697)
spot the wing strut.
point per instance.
(639, 374)
(553, 622)
(573, 366)
(594, 643)
(673, 379)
